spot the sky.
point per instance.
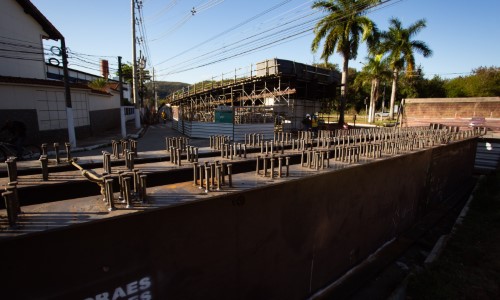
(194, 40)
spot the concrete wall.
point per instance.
(281, 241)
(28, 116)
(92, 112)
(102, 120)
(454, 111)
(20, 32)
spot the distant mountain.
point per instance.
(166, 88)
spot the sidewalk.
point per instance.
(151, 145)
(103, 139)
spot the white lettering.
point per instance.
(124, 291)
(103, 296)
(132, 288)
(119, 293)
(144, 283)
(146, 296)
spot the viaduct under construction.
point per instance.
(275, 94)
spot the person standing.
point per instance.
(314, 125)
(307, 122)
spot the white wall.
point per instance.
(20, 32)
(104, 102)
(50, 103)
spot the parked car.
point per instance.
(382, 114)
(477, 122)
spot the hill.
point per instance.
(166, 88)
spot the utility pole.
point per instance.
(120, 83)
(123, 124)
(134, 71)
(67, 92)
(154, 91)
(142, 64)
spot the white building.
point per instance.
(29, 95)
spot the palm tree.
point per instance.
(343, 28)
(99, 84)
(376, 69)
(398, 43)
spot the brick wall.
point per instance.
(453, 111)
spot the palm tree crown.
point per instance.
(375, 70)
(398, 43)
(343, 29)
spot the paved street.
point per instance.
(150, 138)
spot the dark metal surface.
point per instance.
(281, 241)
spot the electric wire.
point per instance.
(262, 13)
(277, 40)
(186, 17)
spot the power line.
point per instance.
(164, 10)
(187, 16)
(262, 13)
(143, 39)
(272, 39)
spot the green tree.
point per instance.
(431, 88)
(486, 83)
(455, 88)
(143, 76)
(343, 29)
(99, 84)
(483, 82)
(126, 73)
(399, 44)
(327, 65)
(375, 70)
(357, 91)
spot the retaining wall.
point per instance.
(281, 241)
(453, 111)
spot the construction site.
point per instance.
(290, 216)
(273, 94)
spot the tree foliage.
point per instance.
(483, 82)
(400, 46)
(99, 84)
(342, 30)
(374, 71)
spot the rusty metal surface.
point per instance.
(284, 239)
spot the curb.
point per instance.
(134, 136)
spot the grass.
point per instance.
(469, 266)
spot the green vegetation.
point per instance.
(166, 88)
(99, 84)
(484, 82)
(342, 30)
(469, 267)
(375, 70)
(400, 47)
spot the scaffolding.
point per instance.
(273, 91)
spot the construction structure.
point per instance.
(274, 95)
